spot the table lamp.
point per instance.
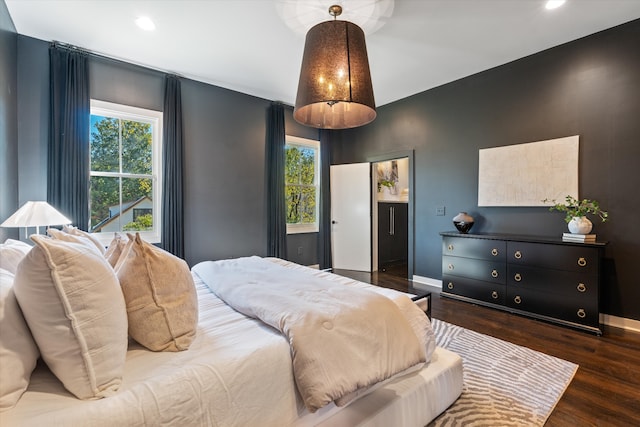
(35, 214)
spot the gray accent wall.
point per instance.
(8, 121)
(589, 87)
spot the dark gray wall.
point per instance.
(8, 121)
(225, 212)
(589, 87)
(224, 134)
(302, 248)
(33, 118)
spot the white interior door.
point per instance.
(351, 216)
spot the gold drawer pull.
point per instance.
(494, 295)
(517, 277)
(517, 255)
(450, 266)
(450, 247)
(582, 287)
(450, 285)
(582, 262)
(494, 273)
(494, 252)
(581, 313)
(517, 299)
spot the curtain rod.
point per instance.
(68, 46)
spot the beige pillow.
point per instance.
(115, 249)
(74, 238)
(18, 351)
(75, 231)
(72, 302)
(161, 297)
(11, 253)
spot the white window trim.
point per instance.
(304, 142)
(153, 117)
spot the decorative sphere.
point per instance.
(463, 222)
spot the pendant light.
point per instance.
(334, 90)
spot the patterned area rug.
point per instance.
(504, 384)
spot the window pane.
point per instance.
(307, 166)
(292, 165)
(299, 165)
(136, 147)
(301, 204)
(104, 143)
(106, 213)
(292, 195)
(104, 197)
(136, 194)
(307, 205)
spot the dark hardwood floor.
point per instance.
(606, 389)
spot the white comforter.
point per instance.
(237, 372)
(342, 338)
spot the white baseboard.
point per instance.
(620, 322)
(607, 319)
(427, 281)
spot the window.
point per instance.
(141, 212)
(302, 185)
(126, 186)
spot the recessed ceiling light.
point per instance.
(145, 23)
(554, 4)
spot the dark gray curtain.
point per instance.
(324, 213)
(68, 148)
(276, 205)
(172, 171)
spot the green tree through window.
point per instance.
(115, 143)
(125, 175)
(301, 183)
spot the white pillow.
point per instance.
(11, 253)
(75, 238)
(72, 302)
(75, 231)
(18, 351)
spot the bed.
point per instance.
(237, 372)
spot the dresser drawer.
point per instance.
(581, 310)
(488, 271)
(558, 257)
(568, 283)
(475, 289)
(474, 248)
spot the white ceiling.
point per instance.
(246, 46)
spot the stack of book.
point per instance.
(580, 238)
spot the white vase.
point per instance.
(580, 225)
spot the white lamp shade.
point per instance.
(35, 214)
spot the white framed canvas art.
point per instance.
(525, 174)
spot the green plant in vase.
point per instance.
(576, 213)
(385, 183)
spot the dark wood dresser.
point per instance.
(540, 277)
